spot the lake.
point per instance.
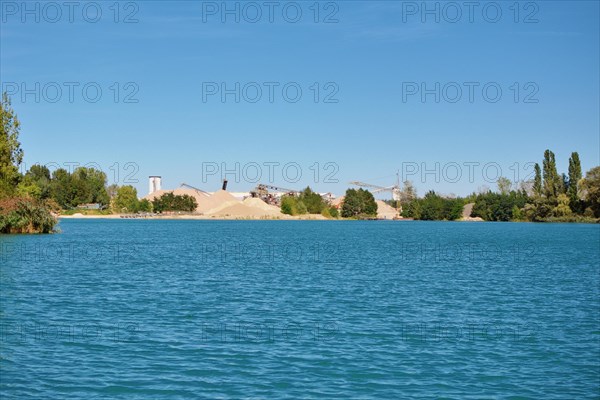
(301, 309)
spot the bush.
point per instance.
(538, 210)
(25, 215)
(330, 212)
(288, 205)
(412, 209)
(301, 208)
(145, 206)
(334, 212)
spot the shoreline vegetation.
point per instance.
(309, 217)
(34, 202)
(549, 197)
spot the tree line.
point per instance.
(549, 197)
(357, 204)
(88, 186)
(433, 207)
(307, 202)
(68, 190)
(566, 197)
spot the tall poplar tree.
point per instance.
(552, 181)
(537, 181)
(575, 176)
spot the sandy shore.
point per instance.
(311, 217)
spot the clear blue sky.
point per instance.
(369, 55)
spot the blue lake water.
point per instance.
(301, 309)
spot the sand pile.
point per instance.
(249, 208)
(466, 214)
(467, 210)
(216, 202)
(385, 211)
(337, 202)
(156, 194)
(258, 203)
(244, 211)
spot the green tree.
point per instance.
(82, 189)
(562, 209)
(313, 201)
(96, 183)
(499, 207)
(185, 203)
(301, 207)
(432, 206)
(126, 200)
(412, 209)
(359, 204)
(29, 188)
(552, 181)
(517, 214)
(11, 154)
(288, 205)
(453, 209)
(537, 181)
(590, 188)
(539, 209)
(369, 204)
(334, 212)
(172, 202)
(293, 205)
(83, 186)
(351, 207)
(39, 175)
(575, 176)
(145, 205)
(564, 179)
(62, 190)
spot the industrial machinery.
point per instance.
(262, 192)
(202, 192)
(199, 191)
(394, 189)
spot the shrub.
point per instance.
(25, 215)
(288, 205)
(334, 212)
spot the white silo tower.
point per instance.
(154, 183)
